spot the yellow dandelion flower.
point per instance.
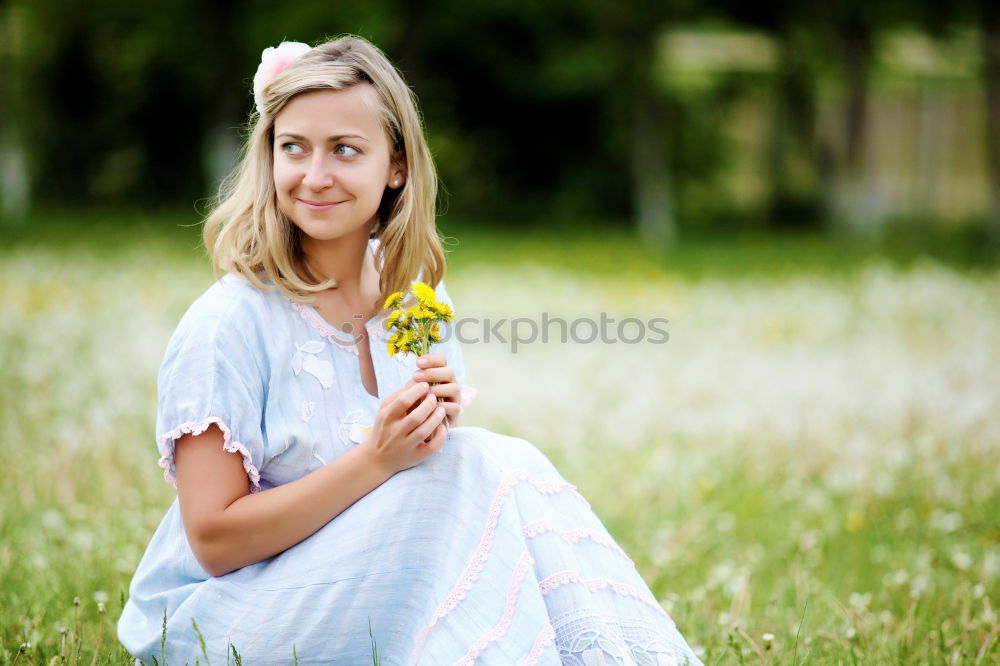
(394, 301)
(413, 330)
(425, 295)
(405, 341)
(393, 320)
(419, 312)
(443, 311)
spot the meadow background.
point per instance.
(806, 472)
(813, 455)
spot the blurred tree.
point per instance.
(224, 112)
(850, 26)
(990, 39)
(115, 106)
(140, 106)
(514, 94)
(534, 111)
(797, 162)
(549, 109)
(839, 38)
(14, 194)
(632, 33)
(937, 20)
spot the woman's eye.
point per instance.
(346, 151)
(292, 149)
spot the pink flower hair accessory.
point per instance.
(273, 61)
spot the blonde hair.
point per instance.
(247, 233)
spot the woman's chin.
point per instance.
(325, 232)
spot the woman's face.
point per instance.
(332, 161)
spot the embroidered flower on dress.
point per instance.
(593, 647)
(352, 431)
(359, 433)
(306, 410)
(305, 359)
(594, 657)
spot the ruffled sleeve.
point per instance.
(452, 349)
(211, 375)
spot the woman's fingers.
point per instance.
(451, 391)
(442, 374)
(435, 442)
(418, 414)
(432, 361)
(453, 410)
(400, 402)
(425, 430)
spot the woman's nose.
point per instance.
(319, 175)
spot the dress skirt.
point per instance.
(481, 554)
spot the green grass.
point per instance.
(609, 249)
(812, 457)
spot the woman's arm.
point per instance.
(228, 528)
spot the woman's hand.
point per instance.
(434, 369)
(409, 427)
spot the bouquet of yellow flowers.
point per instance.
(418, 327)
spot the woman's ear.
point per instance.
(398, 177)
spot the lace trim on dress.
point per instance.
(520, 569)
(376, 331)
(590, 640)
(566, 577)
(538, 527)
(544, 637)
(531, 531)
(478, 560)
(329, 332)
(167, 441)
(586, 638)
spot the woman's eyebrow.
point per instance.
(338, 137)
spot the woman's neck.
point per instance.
(345, 260)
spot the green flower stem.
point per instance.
(425, 345)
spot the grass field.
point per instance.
(808, 471)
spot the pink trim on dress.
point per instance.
(501, 627)
(544, 637)
(538, 527)
(376, 329)
(321, 325)
(478, 560)
(168, 440)
(561, 578)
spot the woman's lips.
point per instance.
(319, 205)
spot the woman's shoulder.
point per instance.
(231, 303)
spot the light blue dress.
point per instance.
(481, 554)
